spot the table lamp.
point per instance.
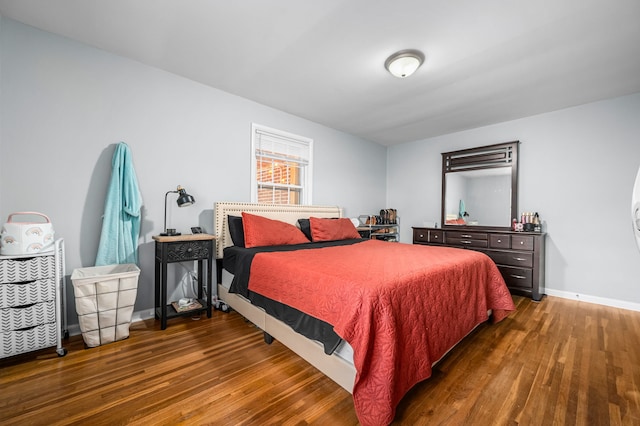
(184, 200)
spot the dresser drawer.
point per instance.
(26, 293)
(500, 241)
(517, 277)
(27, 269)
(522, 242)
(462, 235)
(467, 239)
(512, 258)
(30, 339)
(190, 250)
(434, 236)
(420, 235)
(22, 317)
(467, 243)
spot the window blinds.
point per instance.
(282, 165)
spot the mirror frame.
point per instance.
(484, 157)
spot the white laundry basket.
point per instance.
(105, 296)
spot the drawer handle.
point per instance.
(26, 328)
(421, 236)
(29, 305)
(519, 259)
(435, 237)
(465, 236)
(520, 277)
(465, 242)
(521, 243)
(499, 241)
(189, 250)
(23, 259)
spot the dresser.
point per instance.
(32, 302)
(518, 255)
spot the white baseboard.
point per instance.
(615, 303)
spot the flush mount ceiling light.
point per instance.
(404, 63)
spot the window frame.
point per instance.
(306, 182)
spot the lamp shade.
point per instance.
(184, 199)
(404, 63)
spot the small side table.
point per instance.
(180, 248)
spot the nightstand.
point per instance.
(181, 248)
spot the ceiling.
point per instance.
(487, 61)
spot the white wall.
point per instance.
(1, 49)
(577, 169)
(65, 105)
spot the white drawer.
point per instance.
(27, 269)
(31, 339)
(27, 293)
(18, 318)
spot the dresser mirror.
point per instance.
(480, 186)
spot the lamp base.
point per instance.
(170, 232)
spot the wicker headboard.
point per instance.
(285, 213)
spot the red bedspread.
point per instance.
(400, 306)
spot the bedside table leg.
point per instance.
(200, 279)
(209, 286)
(157, 289)
(163, 297)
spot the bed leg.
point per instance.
(268, 339)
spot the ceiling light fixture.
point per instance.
(404, 63)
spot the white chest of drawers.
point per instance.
(32, 302)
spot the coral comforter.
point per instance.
(401, 307)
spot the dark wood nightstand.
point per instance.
(181, 248)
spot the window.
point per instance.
(280, 167)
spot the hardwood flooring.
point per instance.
(554, 362)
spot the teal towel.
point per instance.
(121, 222)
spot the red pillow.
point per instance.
(260, 231)
(332, 229)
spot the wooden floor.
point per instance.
(554, 362)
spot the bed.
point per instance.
(395, 309)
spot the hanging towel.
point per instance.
(121, 222)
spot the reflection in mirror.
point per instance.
(478, 197)
(480, 186)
